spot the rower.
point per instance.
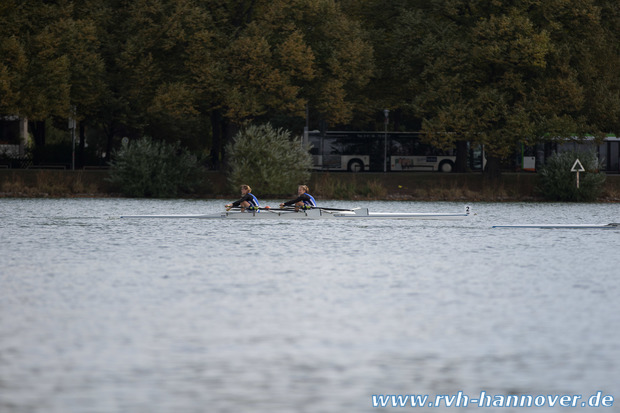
(248, 200)
(304, 200)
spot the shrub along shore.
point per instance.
(406, 186)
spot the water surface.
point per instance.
(100, 314)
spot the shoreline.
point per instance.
(394, 186)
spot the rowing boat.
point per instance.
(316, 213)
(562, 226)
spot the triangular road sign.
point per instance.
(577, 167)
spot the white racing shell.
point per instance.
(317, 213)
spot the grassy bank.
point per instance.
(426, 186)
(418, 186)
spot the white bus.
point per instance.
(365, 151)
(532, 157)
(608, 151)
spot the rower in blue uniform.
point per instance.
(248, 200)
(304, 200)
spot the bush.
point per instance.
(558, 183)
(145, 168)
(269, 160)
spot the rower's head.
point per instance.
(302, 189)
(245, 189)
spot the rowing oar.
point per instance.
(334, 209)
(267, 208)
(319, 207)
(292, 208)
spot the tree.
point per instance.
(268, 159)
(155, 83)
(558, 182)
(599, 65)
(380, 21)
(483, 71)
(49, 62)
(344, 61)
(34, 71)
(497, 73)
(82, 43)
(147, 168)
(264, 59)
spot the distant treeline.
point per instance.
(490, 72)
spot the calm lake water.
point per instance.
(100, 314)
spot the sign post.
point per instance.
(577, 167)
(386, 113)
(72, 126)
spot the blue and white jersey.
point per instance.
(308, 200)
(253, 201)
(249, 198)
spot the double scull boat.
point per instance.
(317, 213)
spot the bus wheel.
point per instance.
(355, 165)
(446, 166)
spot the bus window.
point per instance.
(408, 153)
(340, 152)
(476, 157)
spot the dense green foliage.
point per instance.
(146, 168)
(268, 160)
(558, 183)
(499, 73)
(486, 71)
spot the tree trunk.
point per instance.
(223, 132)
(38, 132)
(109, 144)
(462, 155)
(230, 130)
(492, 170)
(216, 140)
(79, 159)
